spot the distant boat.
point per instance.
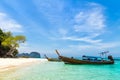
(52, 59)
(86, 60)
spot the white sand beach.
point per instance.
(9, 63)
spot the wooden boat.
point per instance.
(88, 60)
(52, 59)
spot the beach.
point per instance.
(10, 63)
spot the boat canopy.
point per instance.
(90, 56)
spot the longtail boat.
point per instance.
(86, 60)
(52, 59)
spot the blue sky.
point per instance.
(74, 27)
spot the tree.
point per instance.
(3, 49)
(1, 36)
(13, 42)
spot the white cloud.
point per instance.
(90, 20)
(83, 39)
(8, 24)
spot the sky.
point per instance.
(73, 27)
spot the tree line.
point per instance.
(9, 43)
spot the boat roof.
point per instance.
(91, 56)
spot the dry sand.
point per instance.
(9, 63)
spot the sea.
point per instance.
(60, 71)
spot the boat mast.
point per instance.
(104, 54)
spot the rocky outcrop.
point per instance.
(35, 55)
(29, 55)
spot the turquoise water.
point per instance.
(61, 71)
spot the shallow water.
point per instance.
(61, 71)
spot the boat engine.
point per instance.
(111, 58)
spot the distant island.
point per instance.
(29, 55)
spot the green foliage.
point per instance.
(1, 36)
(11, 42)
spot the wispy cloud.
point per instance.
(83, 39)
(90, 20)
(9, 24)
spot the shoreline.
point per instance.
(10, 63)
